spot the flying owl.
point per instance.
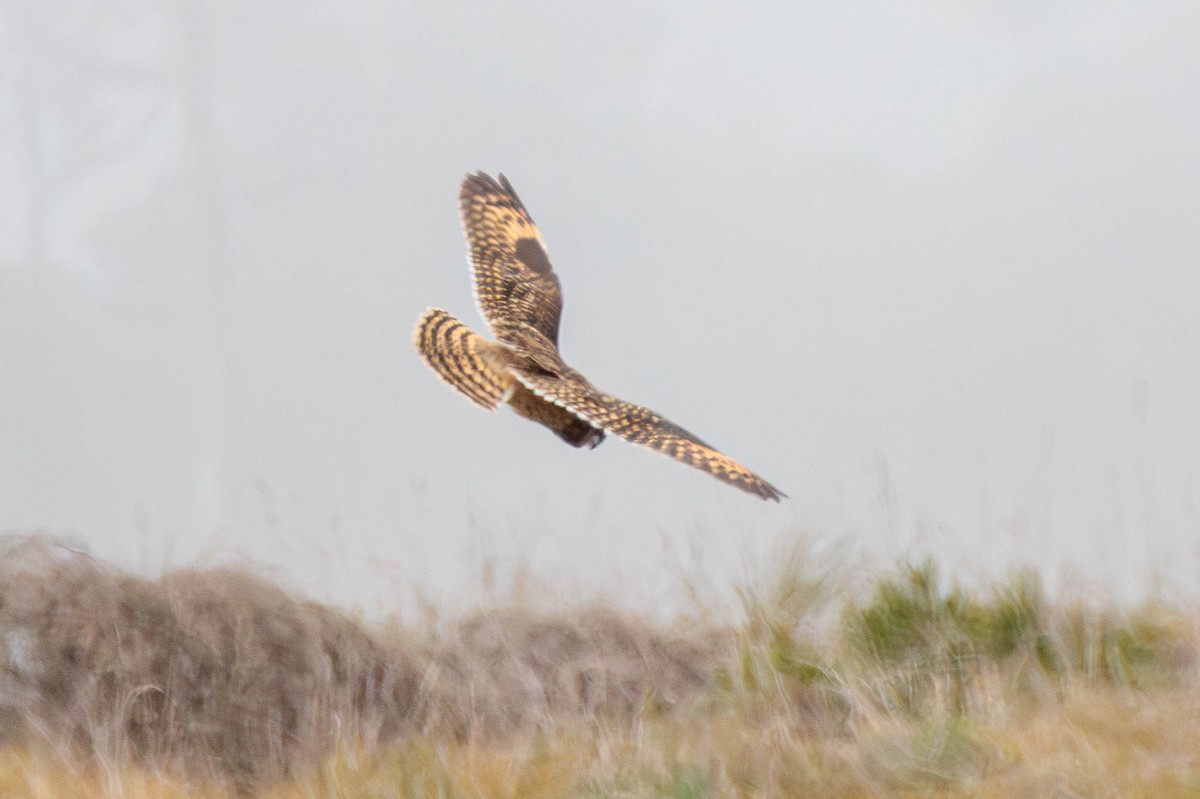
(521, 300)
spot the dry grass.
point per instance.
(216, 675)
(204, 684)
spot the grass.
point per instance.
(215, 684)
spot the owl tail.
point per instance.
(451, 349)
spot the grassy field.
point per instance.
(217, 683)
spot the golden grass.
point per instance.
(1098, 741)
(216, 684)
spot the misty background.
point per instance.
(932, 269)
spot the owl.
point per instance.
(521, 299)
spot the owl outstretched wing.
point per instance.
(457, 355)
(518, 292)
(643, 427)
(521, 300)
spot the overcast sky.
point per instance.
(933, 269)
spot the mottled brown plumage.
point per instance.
(517, 290)
(520, 297)
(451, 349)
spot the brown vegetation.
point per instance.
(220, 678)
(220, 674)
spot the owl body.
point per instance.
(565, 424)
(520, 297)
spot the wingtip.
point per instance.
(480, 182)
(448, 348)
(422, 320)
(762, 489)
(428, 317)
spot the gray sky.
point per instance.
(932, 269)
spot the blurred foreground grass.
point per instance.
(218, 684)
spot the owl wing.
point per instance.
(458, 356)
(517, 290)
(643, 427)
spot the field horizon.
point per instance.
(828, 682)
